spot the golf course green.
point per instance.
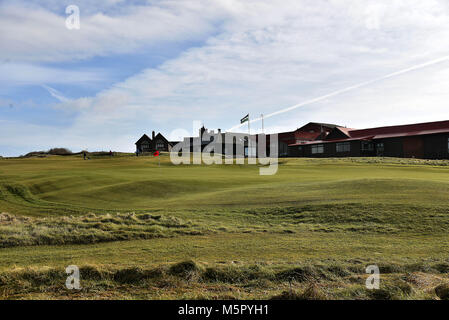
(143, 230)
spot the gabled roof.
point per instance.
(345, 131)
(388, 132)
(329, 125)
(144, 137)
(304, 135)
(160, 136)
(402, 130)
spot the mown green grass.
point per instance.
(127, 212)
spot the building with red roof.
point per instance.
(307, 133)
(428, 140)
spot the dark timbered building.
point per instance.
(309, 132)
(422, 140)
(155, 143)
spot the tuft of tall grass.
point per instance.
(20, 231)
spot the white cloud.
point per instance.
(30, 32)
(14, 74)
(265, 56)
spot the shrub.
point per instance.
(311, 292)
(129, 275)
(90, 272)
(35, 153)
(380, 294)
(59, 151)
(404, 287)
(230, 275)
(299, 274)
(442, 291)
(391, 291)
(287, 295)
(442, 267)
(389, 268)
(185, 269)
(338, 271)
(237, 274)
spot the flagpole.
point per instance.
(249, 137)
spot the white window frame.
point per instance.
(317, 148)
(343, 146)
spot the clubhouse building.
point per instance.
(157, 142)
(422, 140)
(323, 140)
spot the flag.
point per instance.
(156, 154)
(244, 119)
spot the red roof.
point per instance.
(346, 130)
(403, 130)
(292, 136)
(306, 135)
(390, 131)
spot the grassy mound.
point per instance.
(307, 232)
(170, 281)
(16, 230)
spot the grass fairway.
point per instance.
(143, 230)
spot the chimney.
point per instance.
(152, 135)
(219, 130)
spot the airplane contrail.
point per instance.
(363, 84)
(55, 93)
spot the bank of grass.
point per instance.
(307, 232)
(70, 185)
(231, 266)
(17, 230)
(189, 280)
(347, 218)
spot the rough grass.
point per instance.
(16, 230)
(307, 232)
(193, 281)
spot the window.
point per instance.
(380, 147)
(317, 148)
(145, 146)
(160, 145)
(343, 147)
(447, 144)
(367, 146)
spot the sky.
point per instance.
(137, 66)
